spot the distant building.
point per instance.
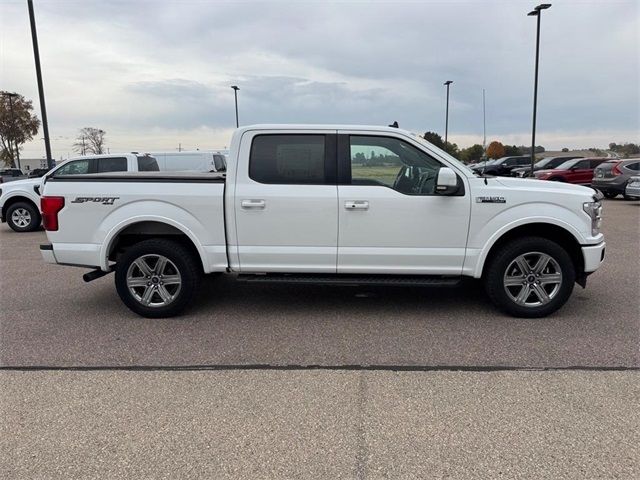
(27, 164)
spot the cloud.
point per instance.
(138, 69)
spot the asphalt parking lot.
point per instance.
(50, 317)
(219, 415)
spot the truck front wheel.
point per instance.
(530, 277)
(23, 217)
(157, 278)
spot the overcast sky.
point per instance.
(157, 73)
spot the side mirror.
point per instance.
(447, 181)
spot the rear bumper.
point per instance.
(612, 185)
(46, 251)
(593, 256)
(73, 254)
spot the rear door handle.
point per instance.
(253, 204)
(356, 205)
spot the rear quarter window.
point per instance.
(148, 164)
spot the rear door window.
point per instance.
(288, 159)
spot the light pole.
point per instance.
(235, 93)
(536, 12)
(13, 122)
(484, 126)
(43, 108)
(446, 122)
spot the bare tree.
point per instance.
(90, 140)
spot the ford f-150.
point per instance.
(347, 205)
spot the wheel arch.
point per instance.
(16, 199)
(550, 231)
(131, 232)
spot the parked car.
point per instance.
(611, 177)
(632, 190)
(578, 171)
(11, 175)
(422, 218)
(20, 200)
(544, 164)
(37, 172)
(197, 161)
(502, 166)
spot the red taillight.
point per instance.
(50, 206)
(615, 170)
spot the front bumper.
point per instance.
(46, 251)
(632, 191)
(593, 256)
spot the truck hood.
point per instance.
(21, 184)
(534, 185)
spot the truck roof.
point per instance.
(299, 126)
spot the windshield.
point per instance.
(543, 162)
(568, 164)
(452, 159)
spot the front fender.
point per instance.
(483, 236)
(31, 196)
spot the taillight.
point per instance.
(50, 206)
(615, 170)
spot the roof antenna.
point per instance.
(394, 125)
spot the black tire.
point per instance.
(496, 270)
(21, 212)
(180, 259)
(610, 194)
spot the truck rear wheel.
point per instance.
(530, 277)
(157, 278)
(23, 217)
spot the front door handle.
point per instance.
(356, 205)
(254, 204)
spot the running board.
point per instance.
(354, 279)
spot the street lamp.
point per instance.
(13, 122)
(536, 12)
(43, 108)
(235, 93)
(446, 123)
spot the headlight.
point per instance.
(594, 210)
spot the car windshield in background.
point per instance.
(543, 162)
(568, 164)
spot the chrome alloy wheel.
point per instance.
(533, 279)
(154, 280)
(21, 217)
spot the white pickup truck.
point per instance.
(326, 204)
(20, 200)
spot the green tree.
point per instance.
(511, 151)
(17, 125)
(434, 138)
(471, 154)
